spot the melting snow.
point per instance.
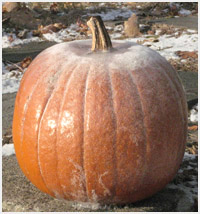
(184, 12)
(113, 14)
(190, 190)
(8, 149)
(194, 114)
(10, 80)
(167, 45)
(68, 33)
(6, 42)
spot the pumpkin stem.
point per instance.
(100, 37)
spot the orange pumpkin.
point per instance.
(107, 126)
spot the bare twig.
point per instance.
(17, 66)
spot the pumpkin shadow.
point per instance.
(166, 200)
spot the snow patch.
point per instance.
(10, 80)
(65, 34)
(190, 188)
(88, 206)
(7, 42)
(194, 114)
(167, 45)
(8, 149)
(113, 14)
(184, 12)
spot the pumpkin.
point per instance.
(107, 125)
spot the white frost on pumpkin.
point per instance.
(38, 111)
(94, 195)
(136, 56)
(78, 174)
(106, 190)
(57, 194)
(128, 57)
(52, 125)
(78, 179)
(67, 121)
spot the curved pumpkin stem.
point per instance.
(100, 37)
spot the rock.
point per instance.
(10, 6)
(131, 27)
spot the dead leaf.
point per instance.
(193, 128)
(187, 54)
(25, 62)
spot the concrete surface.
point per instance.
(190, 22)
